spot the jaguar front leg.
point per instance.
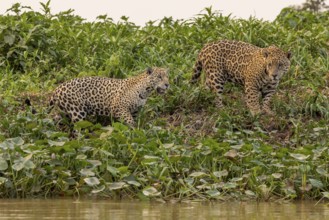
(252, 99)
(267, 95)
(124, 115)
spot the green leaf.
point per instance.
(18, 141)
(82, 124)
(95, 163)
(325, 194)
(316, 183)
(213, 192)
(56, 143)
(114, 171)
(7, 145)
(221, 173)
(197, 174)
(98, 190)
(300, 157)
(3, 164)
(9, 39)
(92, 181)
(87, 172)
(250, 193)
(2, 180)
(81, 157)
(117, 185)
(134, 183)
(322, 171)
(151, 191)
(277, 175)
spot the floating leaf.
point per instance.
(300, 157)
(116, 185)
(151, 191)
(92, 181)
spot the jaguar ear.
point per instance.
(289, 55)
(265, 53)
(149, 70)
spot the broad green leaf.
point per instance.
(98, 189)
(221, 173)
(316, 183)
(134, 183)
(81, 157)
(95, 162)
(300, 157)
(56, 143)
(167, 146)
(250, 193)
(3, 164)
(231, 153)
(87, 172)
(18, 141)
(82, 124)
(9, 39)
(213, 192)
(151, 191)
(6, 145)
(117, 185)
(325, 194)
(92, 181)
(2, 180)
(322, 171)
(197, 174)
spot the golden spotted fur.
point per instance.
(119, 98)
(258, 69)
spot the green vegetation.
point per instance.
(183, 147)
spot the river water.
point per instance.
(134, 210)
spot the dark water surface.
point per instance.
(117, 210)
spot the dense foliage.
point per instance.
(183, 147)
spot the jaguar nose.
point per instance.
(167, 85)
